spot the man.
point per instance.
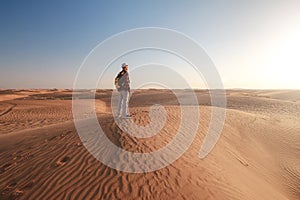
(122, 84)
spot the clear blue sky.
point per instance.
(254, 44)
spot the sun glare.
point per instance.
(284, 59)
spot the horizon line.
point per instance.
(54, 88)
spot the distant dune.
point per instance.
(256, 157)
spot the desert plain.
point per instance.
(257, 156)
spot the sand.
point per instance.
(256, 157)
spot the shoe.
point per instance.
(126, 117)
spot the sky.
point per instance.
(253, 44)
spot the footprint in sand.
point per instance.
(9, 187)
(5, 167)
(17, 193)
(63, 161)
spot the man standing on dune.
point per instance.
(122, 84)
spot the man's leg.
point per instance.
(125, 103)
(120, 103)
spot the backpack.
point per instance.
(117, 80)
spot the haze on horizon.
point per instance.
(254, 44)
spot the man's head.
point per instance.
(124, 66)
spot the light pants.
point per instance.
(123, 103)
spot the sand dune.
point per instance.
(257, 156)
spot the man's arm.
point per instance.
(127, 82)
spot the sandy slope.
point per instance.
(257, 156)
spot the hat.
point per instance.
(124, 65)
